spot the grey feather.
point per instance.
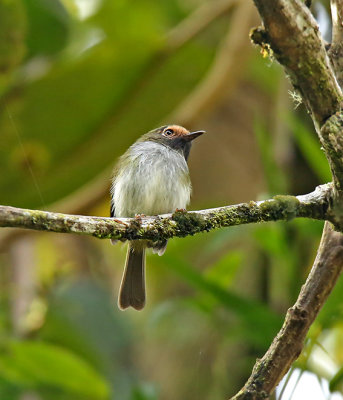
(132, 288)
(150, 179)
(158, 247)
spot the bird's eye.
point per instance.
(168, 132)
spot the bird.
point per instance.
(150, 178)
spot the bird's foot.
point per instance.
(138, 217)
(119, 222)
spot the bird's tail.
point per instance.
(132, 288)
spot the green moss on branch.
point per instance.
(180, 224)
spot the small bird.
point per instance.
(151, 178)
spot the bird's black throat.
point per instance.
(179, 144)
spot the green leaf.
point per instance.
(309, 146)
(251, 312)
(273, 239)
(332, 311)
(144, 392)
(265, 74)
(8, 390)
(83, 111)
(48, 26)
(224, 270)
(36, 364)
(336, 383)
(274, 176)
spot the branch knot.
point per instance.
(259, 36)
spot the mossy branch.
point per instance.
(291, 35)
(315, 205)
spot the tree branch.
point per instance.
(288, 344)
(92, 192)
(336, 48)
(315, 205)
(293, 36)
(331, 135)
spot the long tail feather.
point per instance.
(132, 288)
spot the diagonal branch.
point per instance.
(288, 344)
(315, 205)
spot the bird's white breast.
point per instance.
(153, 179)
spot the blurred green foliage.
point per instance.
(76, 90)
(308, 145)
(37, 365)
(84, 88)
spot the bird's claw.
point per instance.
(119, 222)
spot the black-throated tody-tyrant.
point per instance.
(151, 178)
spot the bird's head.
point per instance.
(174, 136)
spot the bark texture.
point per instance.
(291, 35)
(315, 205)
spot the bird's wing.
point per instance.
(113, 210)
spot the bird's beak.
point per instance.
(193, 135)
